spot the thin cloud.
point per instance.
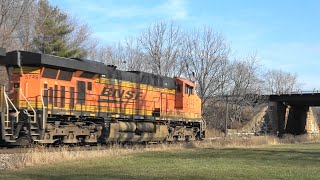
(170, 9)
(177, 9)
(113, 21)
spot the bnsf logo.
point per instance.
(117, 93)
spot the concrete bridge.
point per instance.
(292, 114)
(286, 114)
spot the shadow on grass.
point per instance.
(232, 153)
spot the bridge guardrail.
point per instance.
(298, 91)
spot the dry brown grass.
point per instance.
(213, 133)
(42, 155)
(253, 141)
(291, 139)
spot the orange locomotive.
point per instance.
(55, 100)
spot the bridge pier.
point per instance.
(274, 121)
(283, 119)
(297, 119)
(293, 113)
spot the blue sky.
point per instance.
(285, 34)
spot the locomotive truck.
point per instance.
(55, 100)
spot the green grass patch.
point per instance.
(296, 161)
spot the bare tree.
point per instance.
(81, 37)
(134, 57)
(92, 50)
(241, 93)
(117, 56)
(244, 88)
(161, 43)
(102, 54)
(26, 28)
(244, 76)
(110, 55)
(206, 62)
(278, 81)
(11, 14)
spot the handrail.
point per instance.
(7, 110)
(1, 97)
(98, 100)
(297, 92)
(43, 111)
(204, 126)
(34, 112)
(7, 107)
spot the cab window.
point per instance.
(188, 90)
(179, 88)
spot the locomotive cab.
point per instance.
(187, 100)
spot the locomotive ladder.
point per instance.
(43, 112)
(7, 116)
(32, 118)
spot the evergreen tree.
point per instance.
(53, 29)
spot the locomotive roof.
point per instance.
(24, 58)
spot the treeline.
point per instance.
(41, 27)
(164, 48)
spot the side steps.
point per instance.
(8, 130)
(9, 117)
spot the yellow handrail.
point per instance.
(34, 112)
(7, 100)
(43, 111)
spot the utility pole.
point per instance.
(227, 116)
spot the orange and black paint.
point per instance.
(79, 89)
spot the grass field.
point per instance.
(294, 161)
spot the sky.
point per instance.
(285, 34)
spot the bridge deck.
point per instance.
(303, 99)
